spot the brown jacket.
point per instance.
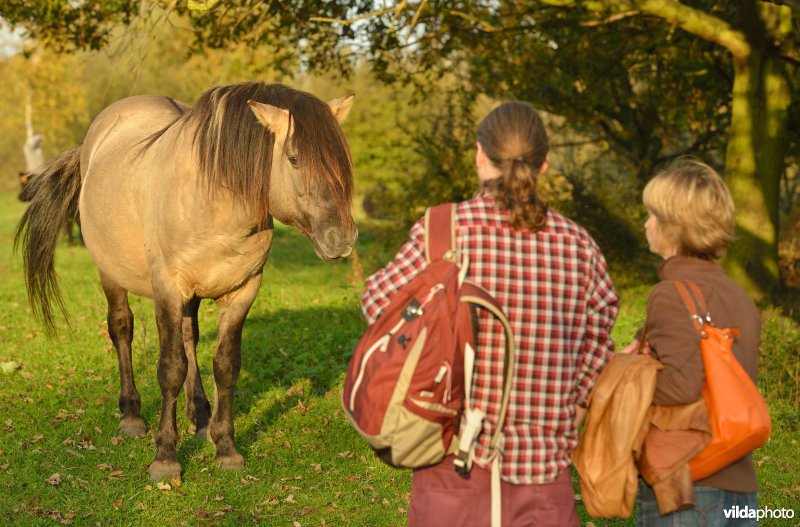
(622, 428)
(674, 341)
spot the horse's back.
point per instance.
(114, 186)
(127, 123)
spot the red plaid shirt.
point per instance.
(561, 303)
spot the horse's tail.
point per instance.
(55, 189)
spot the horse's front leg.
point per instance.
(197, 408)
(172, 365)
(233, 309)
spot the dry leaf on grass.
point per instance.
(9, 367)
(54, 479)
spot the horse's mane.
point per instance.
(235, 151)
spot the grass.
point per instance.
(62, 460)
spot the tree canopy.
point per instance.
(644, 80)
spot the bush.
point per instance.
(779, 364)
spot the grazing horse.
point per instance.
(177, 204)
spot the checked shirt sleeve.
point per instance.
(384, 283)
(601, 310)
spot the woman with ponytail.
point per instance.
(553, 283)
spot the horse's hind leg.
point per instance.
(172, 366)
(197, 408)
(233, 309)
(120, 329)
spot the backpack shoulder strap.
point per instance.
(475, 294)
(440, 231)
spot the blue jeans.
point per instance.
(709, 510)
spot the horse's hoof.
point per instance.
(201, 434)
(233, 461)
(132, 426)
(164, 470)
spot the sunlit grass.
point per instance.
(305, 465)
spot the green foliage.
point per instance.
(67, 25)
(780, 356)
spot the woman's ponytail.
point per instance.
(515, 141)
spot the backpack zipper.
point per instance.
(445, 374)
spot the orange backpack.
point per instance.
(739, 416)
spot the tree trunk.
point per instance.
(754, 163)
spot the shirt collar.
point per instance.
(678, 266)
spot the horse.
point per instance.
(177, 204)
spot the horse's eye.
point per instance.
(293, 160)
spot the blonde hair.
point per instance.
(693, 207)
(515, 141)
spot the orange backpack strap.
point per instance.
(440, 231)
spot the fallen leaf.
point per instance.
(289, 499)
(54, 479)
(247, 480)
(219, 497)
(164, 486)
(176, 481)
(9, 367)
(317, 468)
(116, 440)
(117, 503)
(26, 374)
(4, 466)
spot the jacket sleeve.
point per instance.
(380, 286)
(597, 347)
(675, 342)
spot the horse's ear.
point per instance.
(274, 118)
(341, 106)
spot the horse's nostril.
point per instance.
(332, 237)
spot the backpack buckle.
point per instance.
(473, 426)
(412, 311)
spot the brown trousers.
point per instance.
(440, 497)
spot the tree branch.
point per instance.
(687, 18)
(696, 22)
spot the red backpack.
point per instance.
(408, 382)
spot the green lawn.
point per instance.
(62, 460)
